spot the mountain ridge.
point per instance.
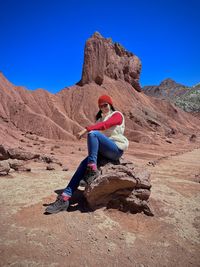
(187, 98)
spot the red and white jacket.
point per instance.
(113, 126)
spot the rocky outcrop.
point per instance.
(14, 158)
(102, 58)
(120, 185)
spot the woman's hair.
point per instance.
(98, 115)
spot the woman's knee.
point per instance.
(93, 133)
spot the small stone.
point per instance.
(50, 167)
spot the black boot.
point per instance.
(90, 175)
(59, 205)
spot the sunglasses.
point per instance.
(104, 105)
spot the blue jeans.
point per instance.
(98, 144)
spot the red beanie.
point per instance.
(105, 99)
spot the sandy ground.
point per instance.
(28, 237)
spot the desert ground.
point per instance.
(105, 237)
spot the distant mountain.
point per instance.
(168, 89)
(187, 98)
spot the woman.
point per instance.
(104, 138)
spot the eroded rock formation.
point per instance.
(102, 58)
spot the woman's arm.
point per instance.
(115, 119)
(81, 133)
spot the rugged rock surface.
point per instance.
(102, 58)
(120, 185)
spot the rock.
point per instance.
(4, 167)
(18, 165)
(193, 138)
(25, 169)
(197, 178)
(15, 164)
(65, 169)
(31, 136)
(152, 163)
(120, 185)
(102, 58)
(48, 159)
(15, 153)
(50, 167)
(3, 153)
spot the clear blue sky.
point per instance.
(42, 41)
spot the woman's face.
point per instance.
(105, 108)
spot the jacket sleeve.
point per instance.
(115, 119)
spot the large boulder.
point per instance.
(18, 165)
(102, 58)
(3, 153)
(16, 153)
(121, 185)
(4, 167)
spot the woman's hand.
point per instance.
(81, 133)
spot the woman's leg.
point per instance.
(76, 178)
(62, 202)
(99, 143)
